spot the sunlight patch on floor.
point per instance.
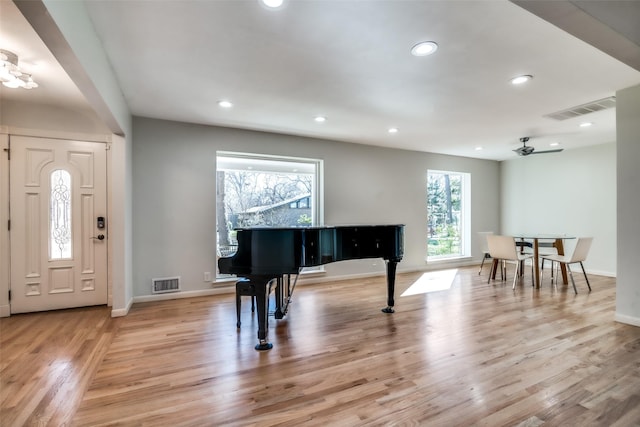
(432, 281)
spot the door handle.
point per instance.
(100, 237)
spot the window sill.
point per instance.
(448, 260)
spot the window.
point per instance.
(255, 190)
(303, 203)
(448, 215)
(60, 215)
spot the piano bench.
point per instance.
(245, 288)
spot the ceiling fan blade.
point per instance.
(548, 151)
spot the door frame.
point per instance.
(5, 239)
(5, 249)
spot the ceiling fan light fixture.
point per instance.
(424, 48)
(11, 75)
(526, 150)
(521, 79)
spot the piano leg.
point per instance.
(391, 285)
(284, 290)
(280, 311)
(262, 300)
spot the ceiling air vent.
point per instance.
(165, 284)
(583, 109)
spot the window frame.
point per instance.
(465, 217)
(239, 161)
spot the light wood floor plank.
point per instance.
(476, 354)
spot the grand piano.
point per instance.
(267, 254)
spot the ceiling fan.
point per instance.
(525, 150)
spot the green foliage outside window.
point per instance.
(444, 194)
(304, 220)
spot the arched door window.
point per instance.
(60, 215)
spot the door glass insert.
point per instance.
(60, 215)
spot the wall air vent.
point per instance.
(165, 284)
(583, 109)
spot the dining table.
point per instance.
(558, 243)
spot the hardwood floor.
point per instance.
(476, 354)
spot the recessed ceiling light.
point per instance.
(272, 3)
(585, 124)
(521, 79)
(225, 104)
(320, 119)
(393, 130)
(478, 148)
(554, 144)
(424, 48)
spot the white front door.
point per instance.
(58, 203)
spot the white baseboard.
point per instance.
(121, 312)
(629, 320)
(5, 310)
(575, 268)
(305, 279)
(185, 294)
(598, 273)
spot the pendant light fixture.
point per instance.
(10, 73)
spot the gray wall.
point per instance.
(50, 118)
(174, 195)
(572, 192)
(628, 130)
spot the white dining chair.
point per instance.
(546, 247)
(482, 235)
(579, 254)
(504, 249)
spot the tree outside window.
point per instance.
(262, 191)
(445, 207)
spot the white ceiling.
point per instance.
(348, 61)
(16, 35)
